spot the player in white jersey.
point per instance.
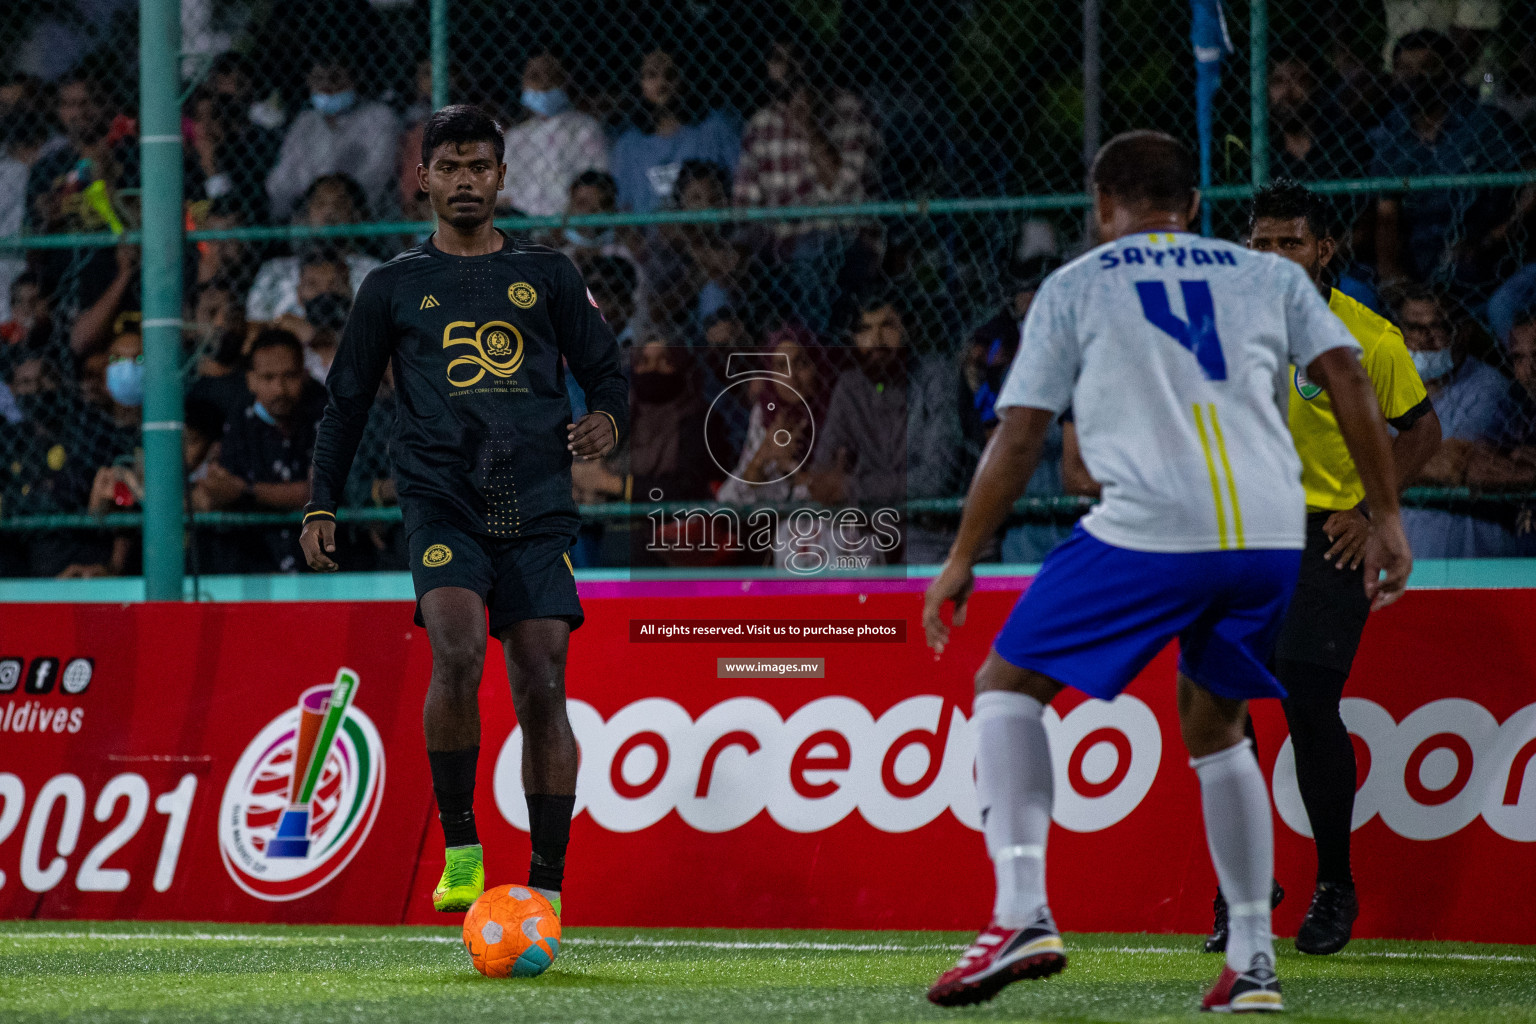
(1173, 353)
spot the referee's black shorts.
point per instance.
(1329, 609)
(518, 579)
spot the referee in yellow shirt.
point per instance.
(1328, 612)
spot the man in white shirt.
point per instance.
(332, 199)
(1174, 354)
(338, 132)
(554, 144)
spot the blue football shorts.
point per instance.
(1096, 614)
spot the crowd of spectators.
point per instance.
(891, 339)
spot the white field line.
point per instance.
(644, 943)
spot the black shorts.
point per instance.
(525, 578)
(1328, 612)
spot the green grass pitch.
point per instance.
(107, 972)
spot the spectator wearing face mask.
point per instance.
(263, 461)
(551, 146)
(333, 199)
(1467, 395)
(338, 133)
(325, 299)
(669, 442)
(670, 128)
(125, 379)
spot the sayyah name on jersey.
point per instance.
(1177, 256)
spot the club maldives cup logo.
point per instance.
(302, 798)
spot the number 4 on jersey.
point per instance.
(1198, 333)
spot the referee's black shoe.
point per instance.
(1216, 942)
(1326, 928)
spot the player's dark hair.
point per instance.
(1288, 199)
(600, 180)
(1146, 167)
(275, 337)
(691, 171)
(458, 125)
(1426, 39)
(354, 191)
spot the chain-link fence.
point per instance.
(763, 198)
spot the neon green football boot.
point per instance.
(552, 895)
(463, 879)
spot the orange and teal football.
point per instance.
(511, 931)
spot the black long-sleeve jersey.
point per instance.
(476, 345)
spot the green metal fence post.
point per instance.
(439, 54)
(1258, 88)
(160, 148)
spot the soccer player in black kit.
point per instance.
(475, 326)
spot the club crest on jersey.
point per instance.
(437, 554)
(498, 351)
(1304, 387)
(522, 295)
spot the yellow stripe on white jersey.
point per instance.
(1226, 466)
(1210, 466)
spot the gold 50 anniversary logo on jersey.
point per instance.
(498, 351)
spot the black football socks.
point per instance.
(1325, 762)
(453, 783)
(549, 827)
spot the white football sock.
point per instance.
(1013, 786)
(1241, 836)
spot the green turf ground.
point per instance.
(106, 972)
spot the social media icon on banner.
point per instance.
(77, 675)
(10, 674)
(41, 674)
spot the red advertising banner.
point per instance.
(264, 762)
